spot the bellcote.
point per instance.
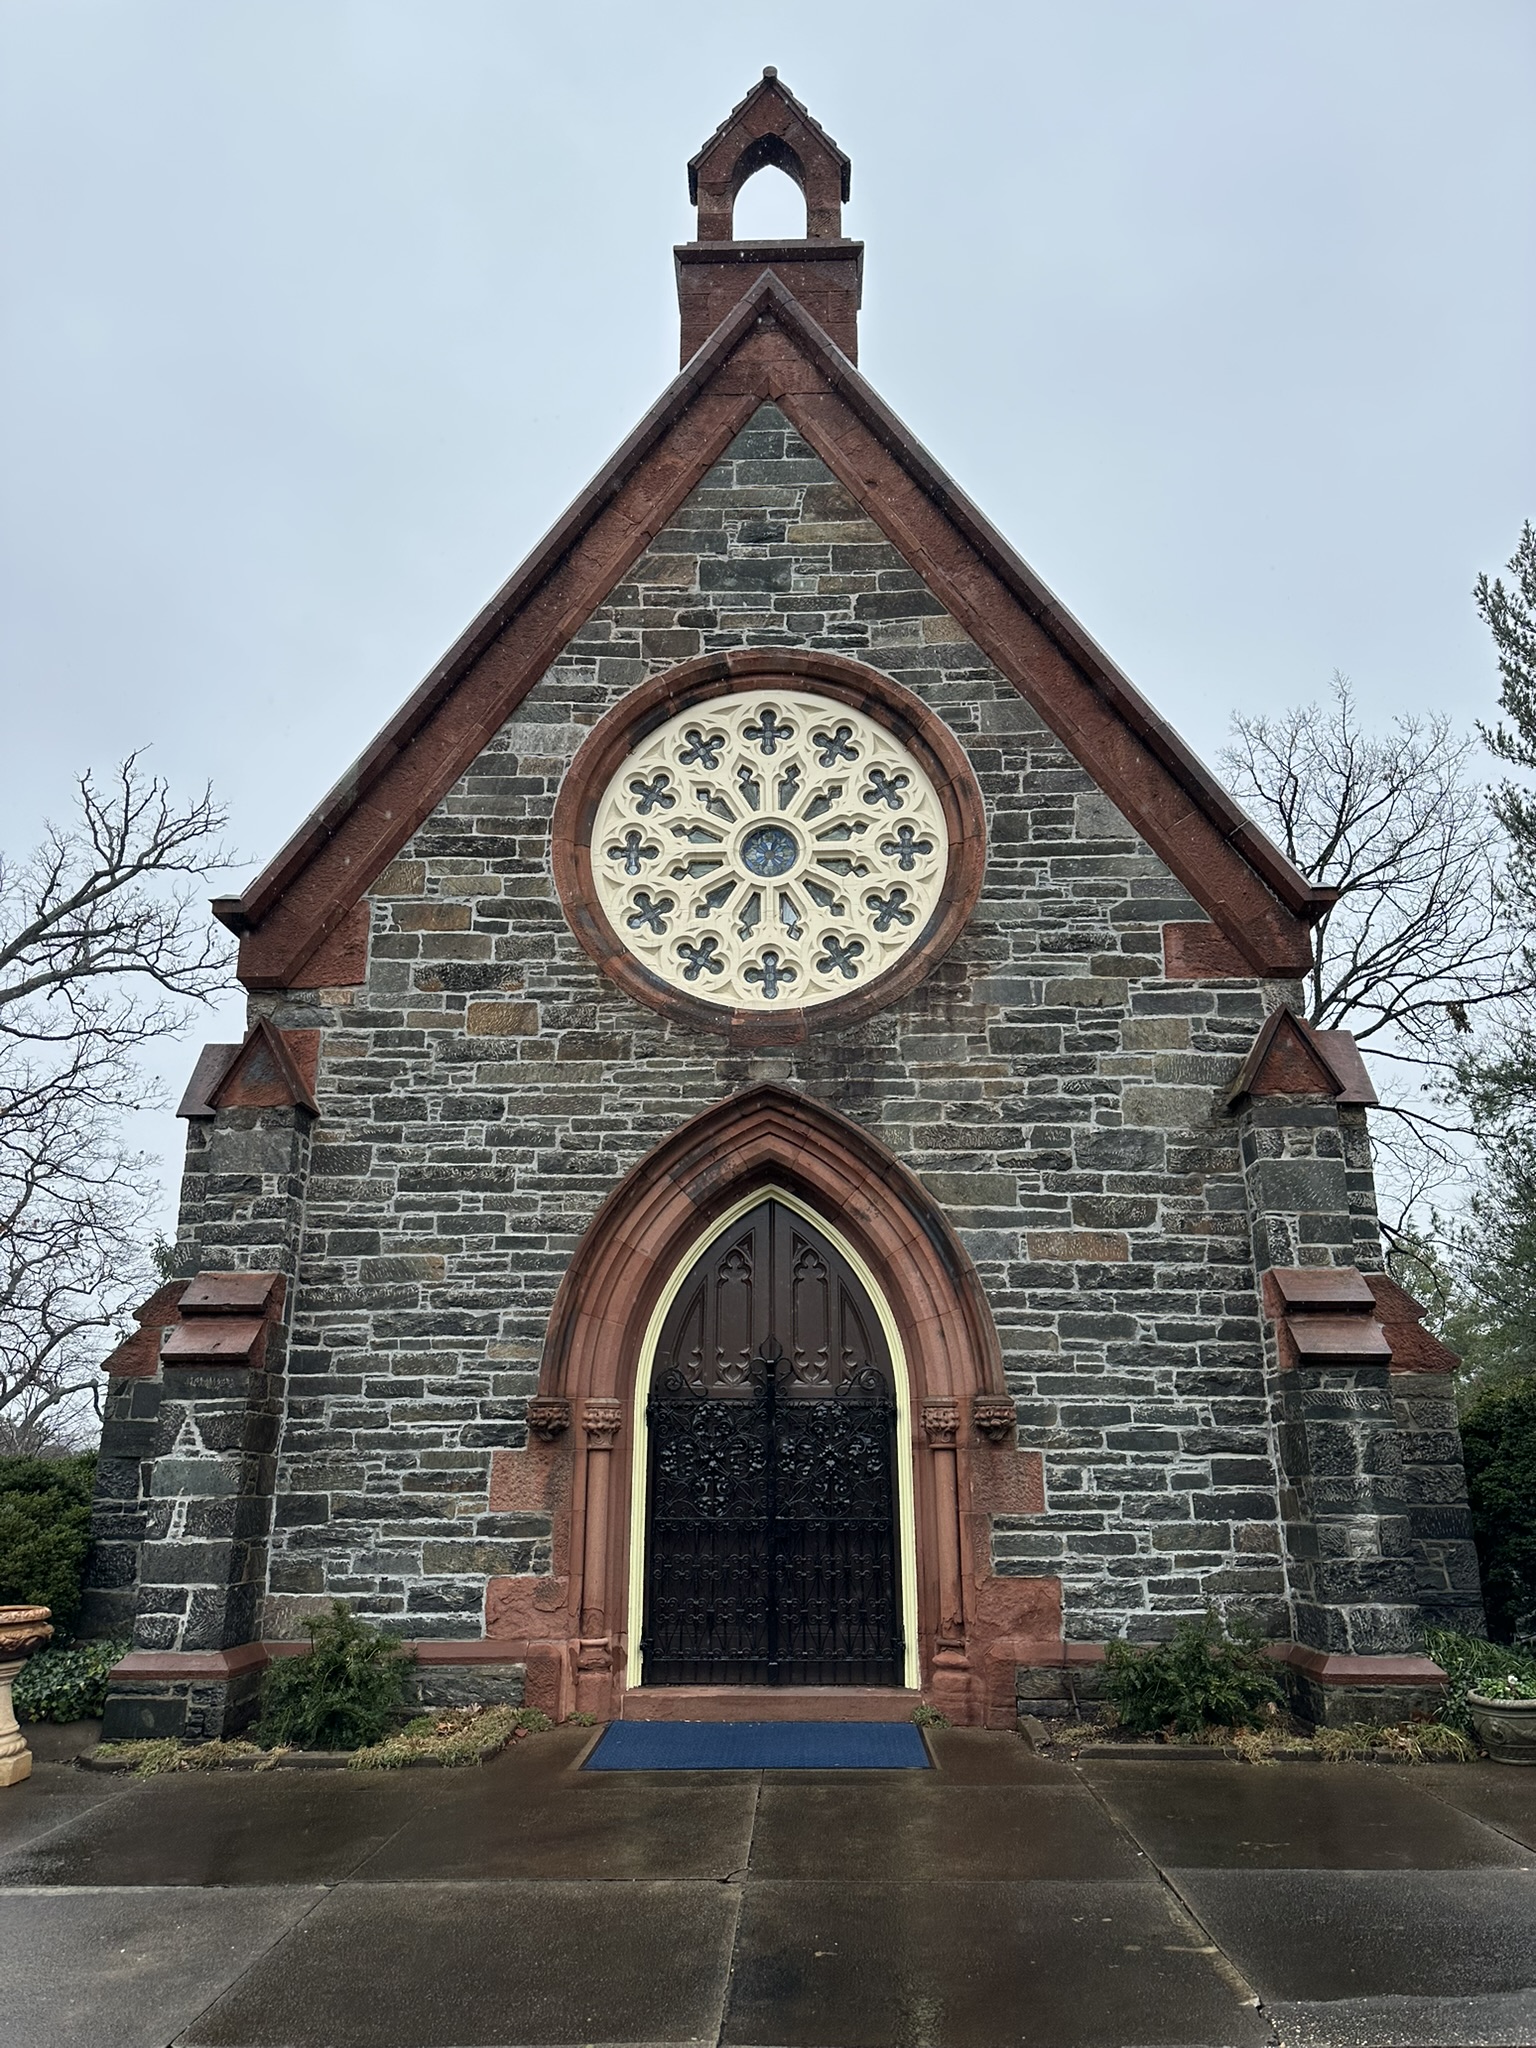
(824, 271)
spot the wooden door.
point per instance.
(771, 1539)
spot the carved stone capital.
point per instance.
(548, 1417)
(602, 1421)
(994, 1417)
(941, 1424)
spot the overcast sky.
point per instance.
(317, 314)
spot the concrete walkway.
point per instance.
(1000, 1899)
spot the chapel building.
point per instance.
(777, 1168)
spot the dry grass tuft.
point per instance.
(454, 1738)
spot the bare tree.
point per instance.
(1427, 940)
(103, 942)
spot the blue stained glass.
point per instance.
(769, 850)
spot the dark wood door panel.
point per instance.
(771, 1551)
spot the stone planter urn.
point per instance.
(22, 1630)
(1505, 1728)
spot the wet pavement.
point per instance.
(1000, 1899)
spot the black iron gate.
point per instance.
(771, 1542)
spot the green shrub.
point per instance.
(45, 1529)
(1207, 1677)
(1498, 1436)
(343, 1695)
(66, 1685)
(1512, 1686)
(1466, 1660)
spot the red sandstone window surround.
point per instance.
(806, 933)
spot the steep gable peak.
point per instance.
(768, 350)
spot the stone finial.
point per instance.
(1292, 1057)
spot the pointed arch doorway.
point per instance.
(772, 1512)
(587, 1464)
(770, 1532)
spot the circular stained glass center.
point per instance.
(769, 851)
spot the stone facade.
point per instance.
(1063, 1084)
(1058, 1098)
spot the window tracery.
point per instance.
(769, 849)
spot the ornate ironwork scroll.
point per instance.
(772, 1553)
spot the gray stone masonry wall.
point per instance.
(203, 1566)
(487, 1088)
(124, 1473)
(1450, 1592)
(1347, 1531)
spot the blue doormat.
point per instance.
(759, 1746)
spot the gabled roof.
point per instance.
(770, 350)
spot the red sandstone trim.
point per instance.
(767, 1703)
(1327, 1667)
(706, 680)
(769, 349)
(272, 1070)
(138, 1356)
(769, 126)
(1414, 1349)
(431, 1652)
(141, 1664)
(1202, 952)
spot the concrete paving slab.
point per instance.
(673, 1824)
(552, 1754)
(1320, 1935)
(976, 1756)
(1297, 1816)
(129, 1969)
(254, 1828)
(52, 1795)
(932, 1830)
(1503, 1795)
(1504, 2020)
(58, 1742)
(489, 1966)
(841, 1965)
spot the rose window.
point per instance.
(769, 850)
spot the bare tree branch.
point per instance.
(104, 942)
(1428, 941)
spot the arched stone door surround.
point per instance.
(962, 1435)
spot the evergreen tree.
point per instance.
(1510, 615)
(1492, 1321)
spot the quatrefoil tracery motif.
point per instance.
(755, 811)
